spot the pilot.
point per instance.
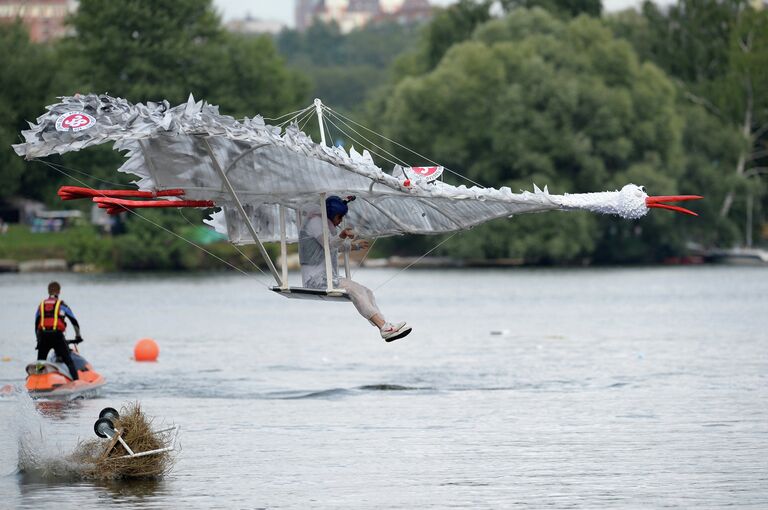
(312, 260)
(50, 324)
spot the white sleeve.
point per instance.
(315, 229)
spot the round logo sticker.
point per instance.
(428, 173)
(74, 121)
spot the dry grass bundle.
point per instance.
(104, 459)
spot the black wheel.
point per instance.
(104, 428)
(109, 412)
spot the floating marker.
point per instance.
(146, 349)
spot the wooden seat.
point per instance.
(305, 293)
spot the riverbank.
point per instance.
(84, 249)
(81, 249)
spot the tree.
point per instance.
(568, 8)
(531, 98)
(344, 68)
(143, 50)
(149, 50)
(25, 84)
(453, 25)
(718, 53)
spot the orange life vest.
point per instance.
(52, 318)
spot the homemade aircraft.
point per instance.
(267, 178)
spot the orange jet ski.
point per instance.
(51, 378)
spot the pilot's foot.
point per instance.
(391, 332)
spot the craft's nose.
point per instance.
(658, 202)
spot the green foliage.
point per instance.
(143, 50)
(86, 246)
(566, 8)
(451, 26)
(690, 39)
(532, 98)
(25, 85)
(148, 244)
(21, 244)
(147, 50)
(718, 53)
(344, 68)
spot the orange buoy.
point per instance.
(146, 349)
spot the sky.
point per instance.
(283, 10)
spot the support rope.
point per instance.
(415, 261)
(406, 148)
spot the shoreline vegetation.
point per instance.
(82, 249)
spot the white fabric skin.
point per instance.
(362, 297)
(313, 266)
(311, 243)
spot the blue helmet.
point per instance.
(335, 205)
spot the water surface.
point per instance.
(628, 388)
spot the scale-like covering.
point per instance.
(179, 147)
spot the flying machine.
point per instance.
(267, 178)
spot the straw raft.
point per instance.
(105, 459)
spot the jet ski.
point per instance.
(51, 378)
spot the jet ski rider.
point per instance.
(312, 259)
(50, 324)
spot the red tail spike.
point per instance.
(108, 202)
(75, 192)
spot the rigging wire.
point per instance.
(304, 121)
(246, 257)
(160, 226)
(296, 119)
(330, 121)
(291, 114)
(352, 138)
(70, 169)
(406, 148)
(362, 261)
(330, 135)
(416, 261)
(401, 162)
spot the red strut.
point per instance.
(75, 192)
(117, 205)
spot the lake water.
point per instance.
(608, 388)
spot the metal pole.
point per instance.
(326, 244)
(283, 247)
(750, 205)
(319, 110)
(346, 257)
(240, 208)
(127, 448)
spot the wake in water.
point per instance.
(37, 456)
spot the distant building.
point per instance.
(43, 18)
(353, 14)
(305, 12)
(410, 11)
(251, 25)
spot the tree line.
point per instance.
(510, 93)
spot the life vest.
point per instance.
(51, 315)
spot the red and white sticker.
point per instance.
(74, 121)
(426, 173)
